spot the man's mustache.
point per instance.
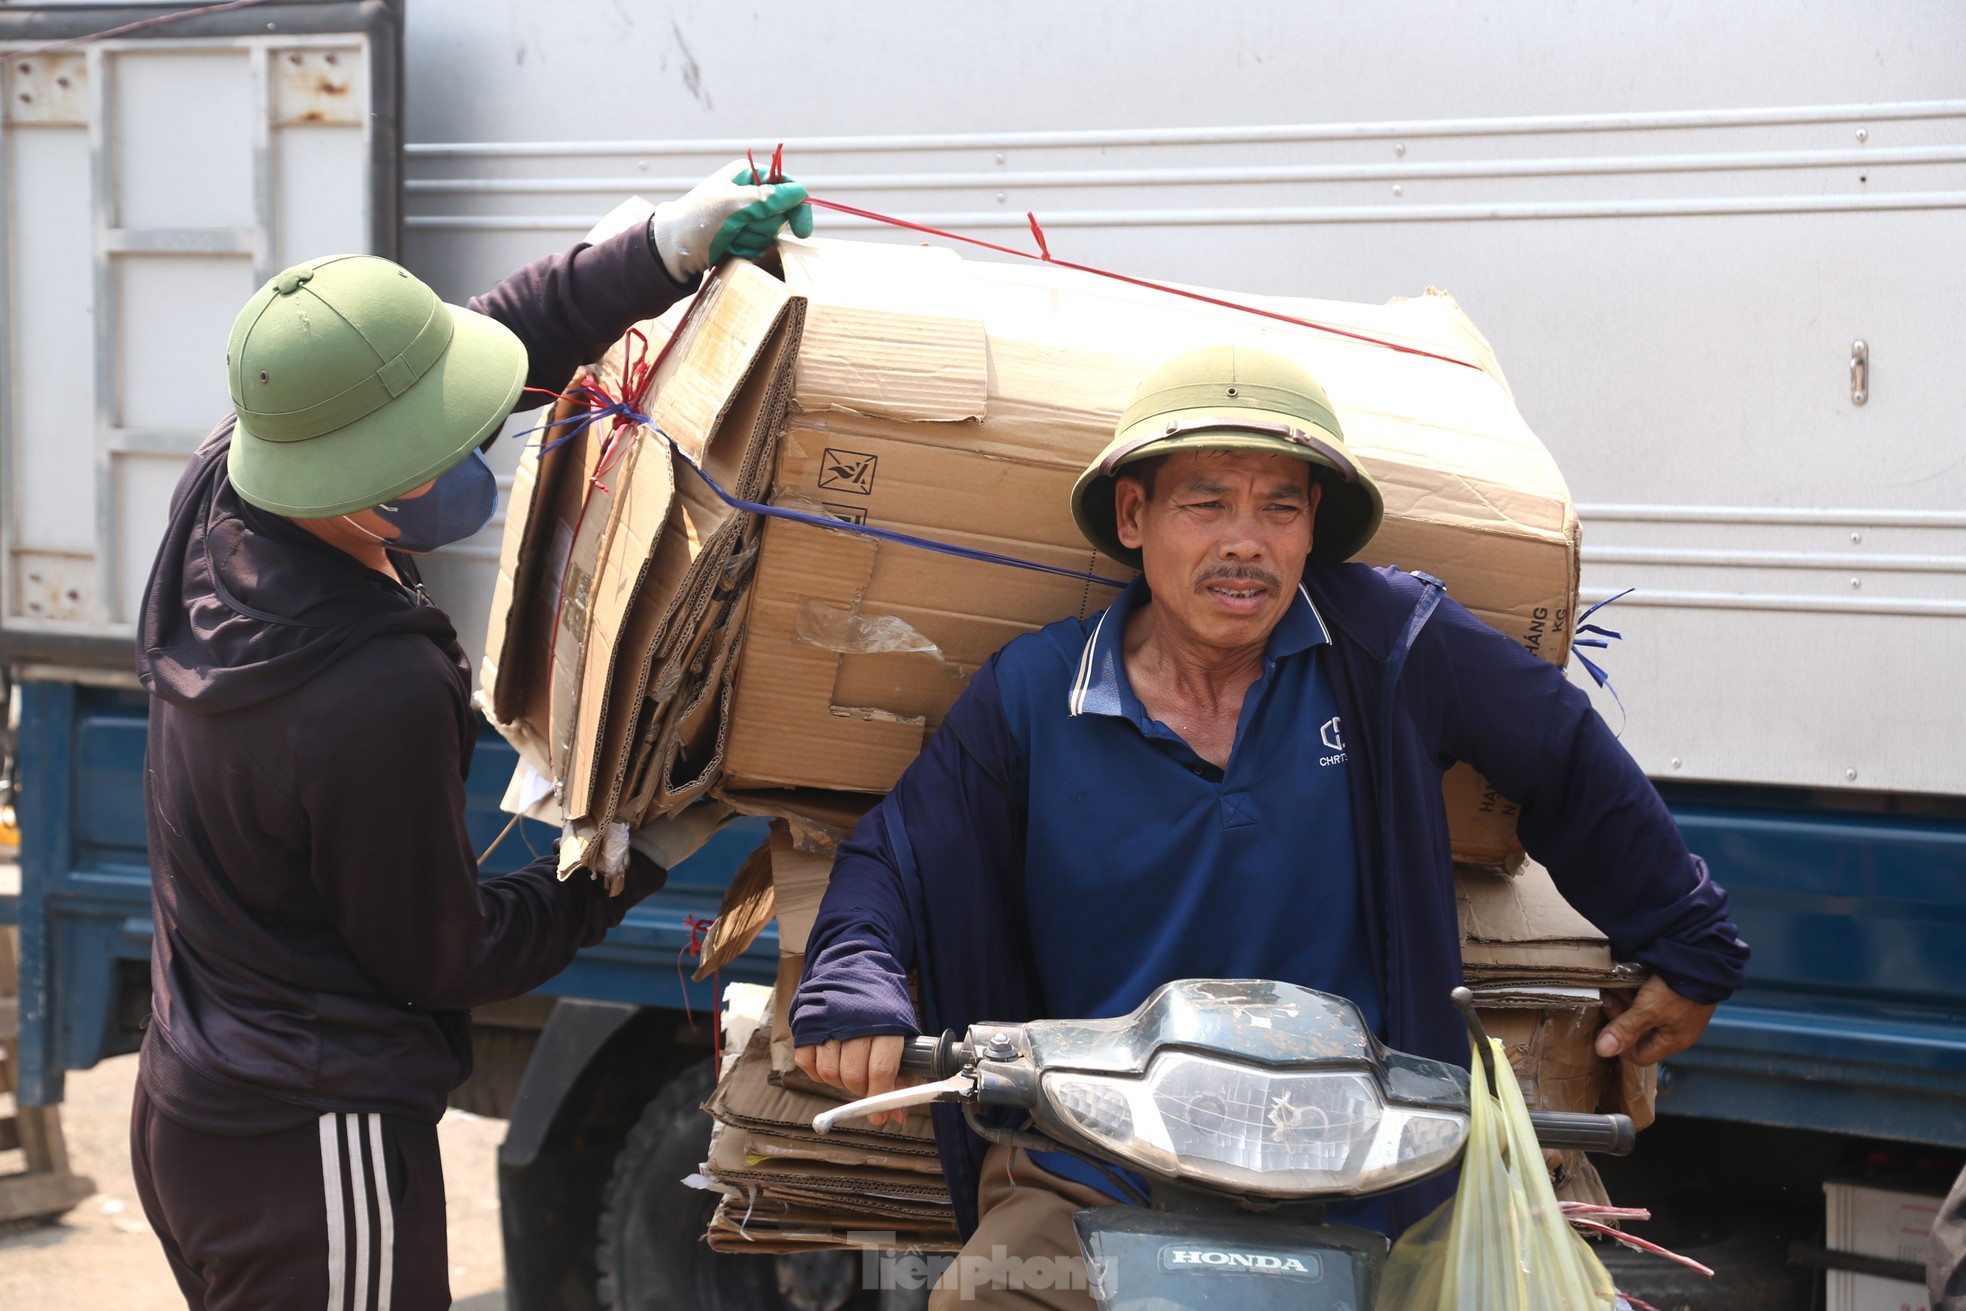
(1238, 573)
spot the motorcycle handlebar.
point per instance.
(1610, 1135)
(931, 1058)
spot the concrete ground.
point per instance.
(103, 1255)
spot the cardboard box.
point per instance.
(904, 387)
(1010, 382)
(1871, 1221)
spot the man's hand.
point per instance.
(1651, 1025)
(733, 211)
(864, 1067)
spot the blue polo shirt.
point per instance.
(1144, 863)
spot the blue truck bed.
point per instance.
(1854, 1020)
(84, 907)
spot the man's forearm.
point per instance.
(861, 947)
(569, 308)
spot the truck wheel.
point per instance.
(652, 1256)
(1751, 1273)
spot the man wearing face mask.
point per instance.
(321, 932)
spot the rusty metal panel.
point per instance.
(316, 85)
(48, 88)
(57, 586)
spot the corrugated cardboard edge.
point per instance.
(612, 742)
(748, 906)
(503, 673)
(747, 1097)
(820, 820)
(634, 516)
(916, 302)
(800, 878)
(765, 367)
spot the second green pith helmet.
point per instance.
(354, 383)
(1234, 398)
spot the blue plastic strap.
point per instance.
(1616, 596)
(1602, 639)
(580, 423)
(620, 408)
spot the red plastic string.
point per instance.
(894, 222)
(1044, 256)
(1037, 234)
(777, 174)
(698, 927)
(138, 25)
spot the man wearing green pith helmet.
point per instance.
(321, 933)
(1234, 772)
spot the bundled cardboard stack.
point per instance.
(1538, 971)
(786, 1189)
(651, 642)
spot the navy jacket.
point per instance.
(932, 878)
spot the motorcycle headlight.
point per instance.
(1247, 1129)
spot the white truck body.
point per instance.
(1673, 225)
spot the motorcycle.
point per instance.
(1248, 1106)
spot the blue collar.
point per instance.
(1100, 687)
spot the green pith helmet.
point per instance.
(354, 383)
(1234, 398)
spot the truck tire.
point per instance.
(651, 1253)
(498, 1063)
(1750, 1273)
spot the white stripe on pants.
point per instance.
(386, 1228)
(331, 1185)
(359, 1186)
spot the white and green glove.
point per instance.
(731, 212)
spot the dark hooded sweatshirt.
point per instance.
(321, 933)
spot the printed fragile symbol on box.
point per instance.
(845, 513)
(847, 471)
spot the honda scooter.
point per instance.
(1249, 1106)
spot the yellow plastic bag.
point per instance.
(1501, 1243)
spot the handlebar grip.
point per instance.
(929, 1057)
(1611, 1135)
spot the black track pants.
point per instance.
(345, 1213)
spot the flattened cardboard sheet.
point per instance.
(915, 308)
(800, 878)
(716, 395)
(731, 1161)
(747, 908)
(1520, 928)
(746, 1097)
